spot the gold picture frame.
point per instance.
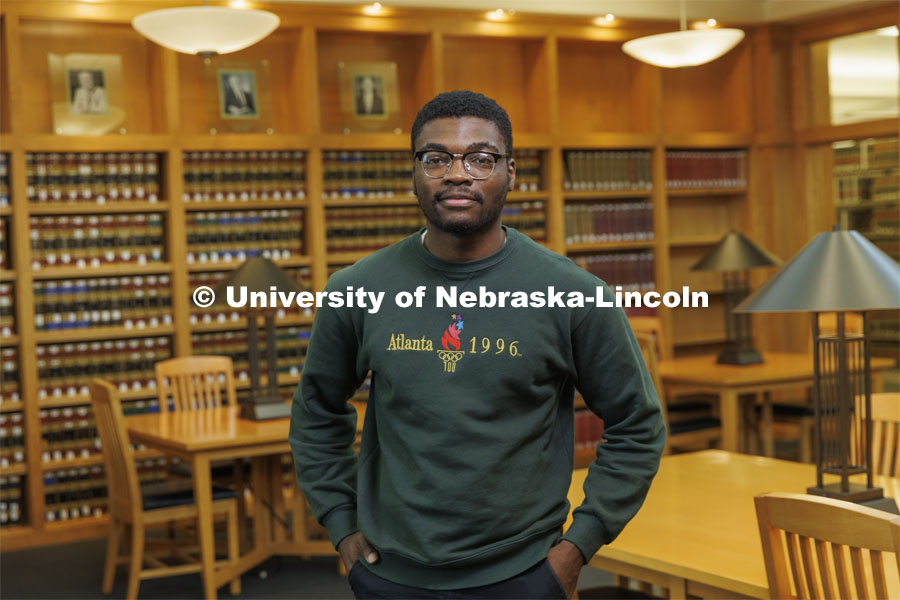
(238, 96)
(86, 93)
(368, 97)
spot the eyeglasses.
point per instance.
(479, 165)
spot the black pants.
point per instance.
(537, 582)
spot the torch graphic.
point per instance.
(451, 343)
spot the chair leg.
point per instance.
(807, 425)
(234, 548)
(137, 560)
(239, 485)
(112, 553)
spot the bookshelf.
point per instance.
(542, 70)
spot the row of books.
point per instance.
(130, 302)
(12, 439)
(291, 344)
(588, 430)
(529, 170)
(884, 152)
(238, 235)
(633, 271)
(12, 500)
(706, 169)
(68, 433)
(876, 185)
(82, 493)
(528, 218)
(92, 176)
(609, 222)
(607, 170)
(9, 375)
(222, 314)
(66, 369)
(89, 242)
(244, 176)
(374, 174)
(4, 179)
(361, 228)
(7, 314)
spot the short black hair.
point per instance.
(463, 103)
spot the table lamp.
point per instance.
(260, 275)
(840, 272)
(734, 255)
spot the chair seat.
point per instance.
(221, 471)
(693, 425)
(681, 407)
(176, 492)
(791, 410)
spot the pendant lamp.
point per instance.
(685, 48)
(206, 30)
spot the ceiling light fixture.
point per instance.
(496, 15)
(206, 30)
(683, 48)
(711, 22)
(373, 9)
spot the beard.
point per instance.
(488, 216)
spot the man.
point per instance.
(368, 98)
(239, 96)
(89, 98)
(467, 446)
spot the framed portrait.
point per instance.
(238, 99)
(86, 93)
(368, 96)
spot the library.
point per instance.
(188, 408)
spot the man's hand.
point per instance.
(354, 545)
(566, 561)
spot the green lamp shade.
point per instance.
(735, 252)
(258, 275)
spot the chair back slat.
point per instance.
(886, 433)
(840, 568)
(826, 578)
(865, 547)
(653, 327)
(809, 568)
(195, 382)
(121, 474)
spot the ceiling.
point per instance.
(726, 11)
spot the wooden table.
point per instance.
(697, 531)
(202, 436)
(779, 370)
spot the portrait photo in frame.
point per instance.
(86, 93)
(368, 97)
(238, 98)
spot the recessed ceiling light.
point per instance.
(496, 15)
(711, 22)
(238, 4)
(373, 9)
(605, 20)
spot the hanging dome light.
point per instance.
(687, 48)
(684, 48)
(206, 30)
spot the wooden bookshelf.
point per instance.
(565, 83)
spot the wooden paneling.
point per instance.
(601, 89)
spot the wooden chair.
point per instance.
(686, 405)
(886, 433)
(195, 382)
(159, 505)
(813, 547)
(690, 434)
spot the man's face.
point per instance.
(85, 79)
(456, 203)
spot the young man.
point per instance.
(468, 439)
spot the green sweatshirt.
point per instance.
(468, 440)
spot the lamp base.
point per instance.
(263, 411)
(739, 356)
(885, 504)
(856, 492)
